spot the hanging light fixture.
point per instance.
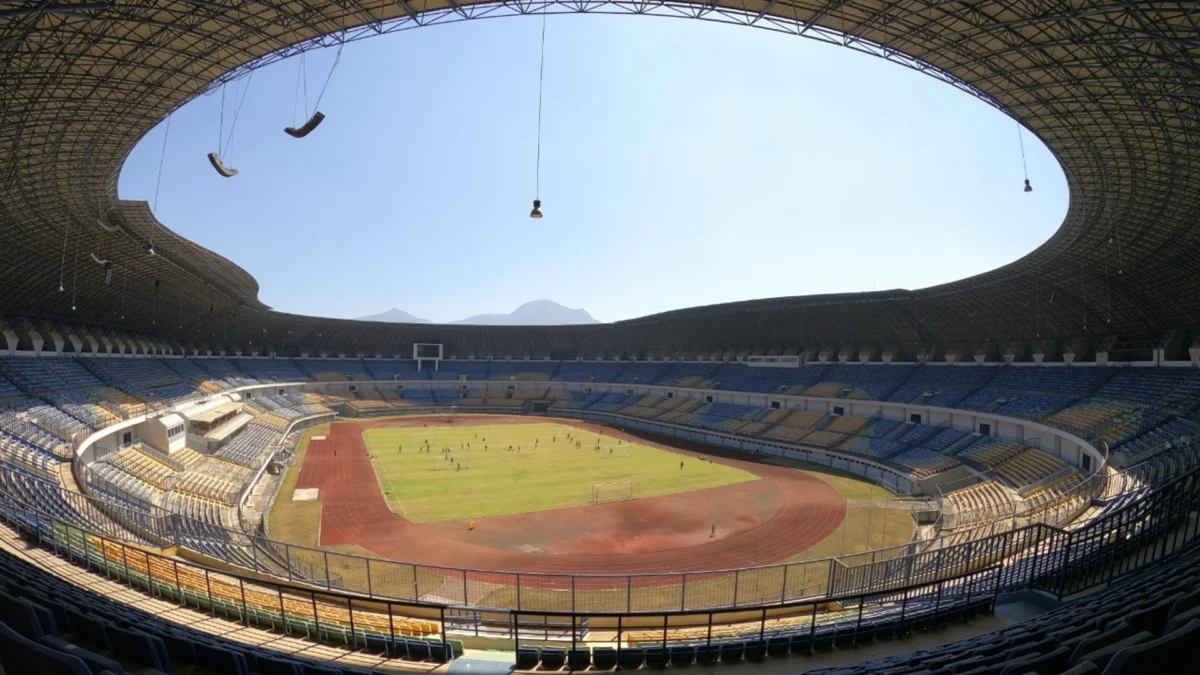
(1028, 187)
(150, 249)
(536, 212)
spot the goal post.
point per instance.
(617, 491)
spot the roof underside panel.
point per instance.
(1112, 88)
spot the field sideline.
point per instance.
(429, 474)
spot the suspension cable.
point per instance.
(336, 61)
(62, 266)
(236, 112)
(1021, 141)
(221, 128)
(541, 80)
(161, 156)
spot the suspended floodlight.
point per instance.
(1028, 187)
(150, 249)
(312, 123)
(317, 116)
(537, 172)
(61, 288)
(108, 268)
(221, 168)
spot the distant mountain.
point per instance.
(393, 315)
(536, 313)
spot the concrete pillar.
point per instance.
(36, 338)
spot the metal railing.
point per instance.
(772, 585)
(936, 587)
(841, 620)
(292, 609)
(692, 591)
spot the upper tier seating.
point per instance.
(225, 371)
(384, 369)
(48, 374)
(697, 375)
(334, 369)
(942, 385)
(860, 381)
(270, 370)
(522, 370)
(573, 371)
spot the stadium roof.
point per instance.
(1112, 88)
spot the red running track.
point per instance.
(759, 523)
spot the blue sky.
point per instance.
(683, 163)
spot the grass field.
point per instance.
(865, 527)
(297, 522)
(548, 471)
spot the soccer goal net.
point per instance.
(614, 492)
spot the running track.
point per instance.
(355, 511)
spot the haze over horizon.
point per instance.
(744, 164)
(532, 313)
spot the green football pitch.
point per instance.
(547, 472)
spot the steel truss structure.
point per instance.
(1112, 87)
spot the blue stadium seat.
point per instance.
(222, 660)
(136, 646)
(1101, 653)
(631, 658)
(273, 666)
(1175, 652)
(95, 662)
(579, 658)
(527, 658)
(681, 655)
(21, 655)
(553, 658)
(604, 658)
(656, 657)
